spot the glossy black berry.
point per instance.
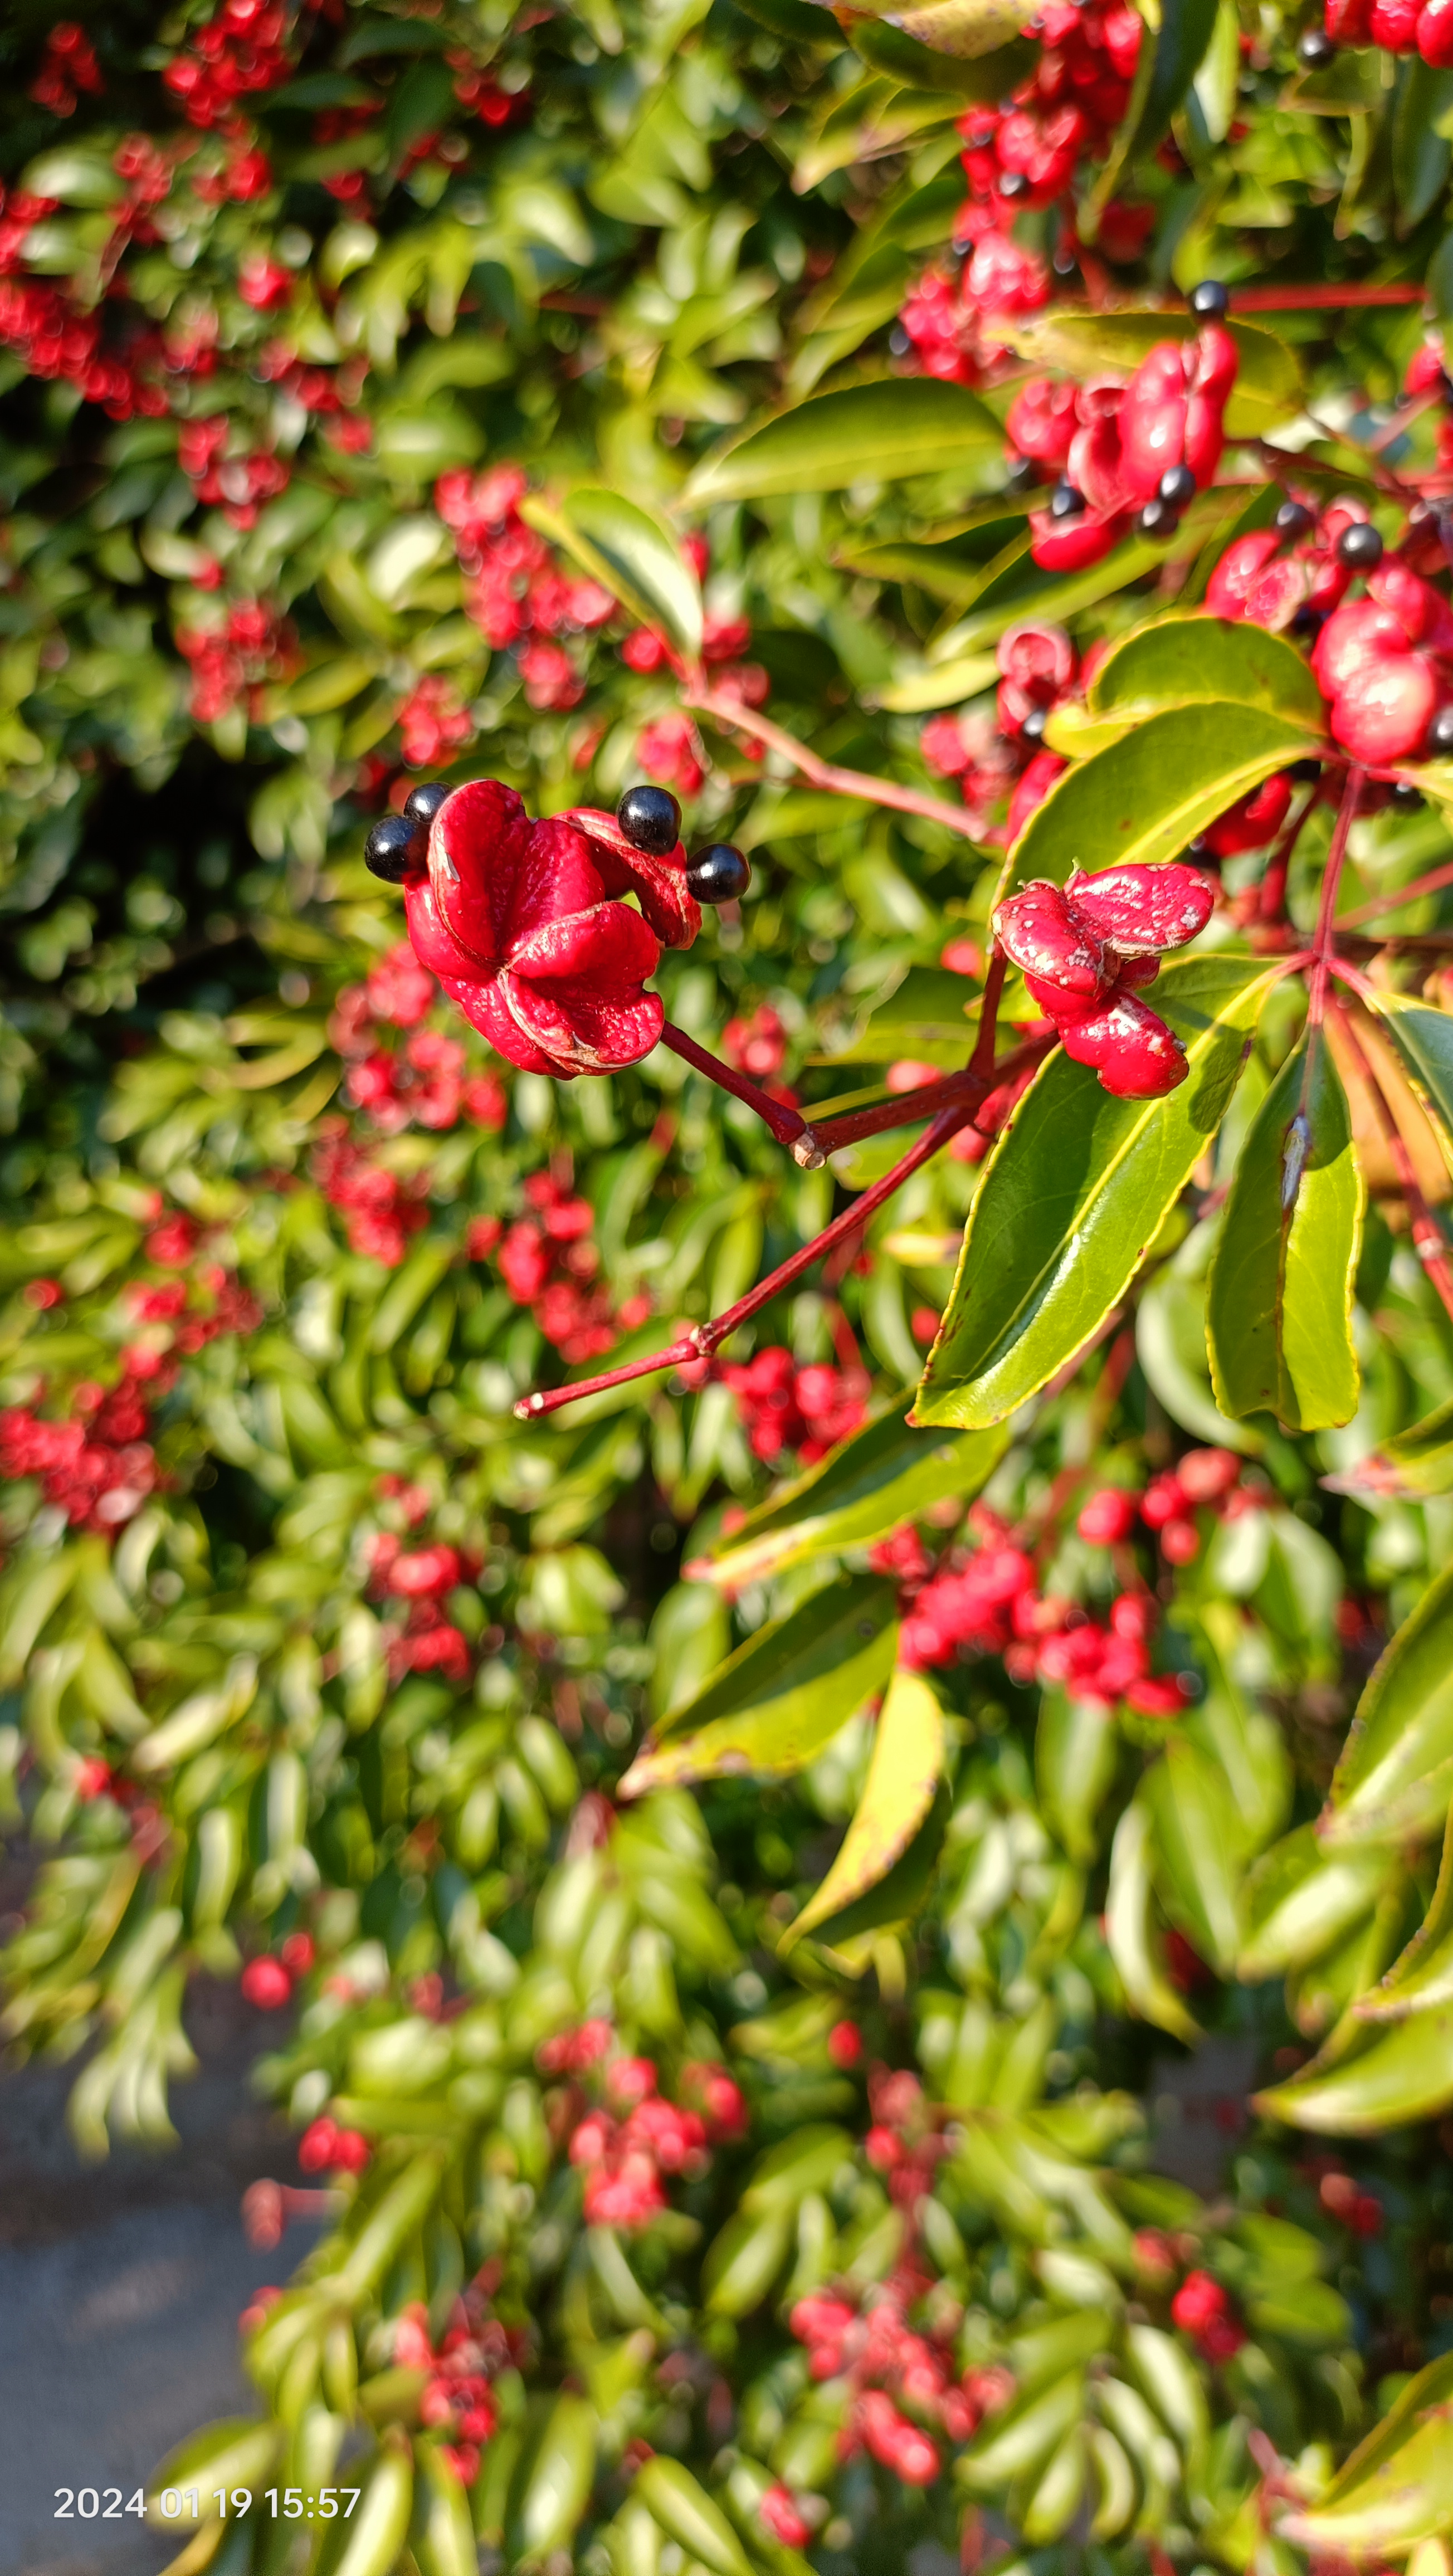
(1065, 502)
(1293, 519)
(1360, 547)
(1306, 771)
(1032, 729)
(1405, 796)
(394, 848)
(718, 874)
(422, 803)
(1158, 520)
(1022, 476)
(1177, 486)
(1440, 734)
(1315, 49)
(1307, 622)
(1014, 183)
(650, 819)
(1210, 300)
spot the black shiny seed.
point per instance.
(1032, 729)
(1015, 183)
(1305, 770)
(1065, 502)
(1405, 795)
(394, 849)
(1022, 476)
(1177, 486)
(1293, 519)
(650, 819)
(1307, 622)
(1440, 734)
(1199, 849)
(1210, 300)
(1315, 49)
(718, 874)
(1360, 546)
(422, 803)
(1157, 519)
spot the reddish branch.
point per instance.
(1428, 1240)
(729, 712)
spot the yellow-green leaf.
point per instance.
(899, 1790)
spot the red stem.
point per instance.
(787, 1125)
(981, 1062)
(730, 713)
(1274, 883)
(909, 1106)
(1327, 909)
(1430, 884)
(1319, 299)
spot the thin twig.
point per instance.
(1327, 909)
(731, 713)
(1432, 883)
(787, 1125)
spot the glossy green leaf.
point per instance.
(1268, 385)
(552, 2484)
(1170, 1344)
(1422, 1976)
(897, 1898)
(1191, 655)
(1163, 75)
(873, 1482)
(1299, 1901)
(1420, 1458)
(1424, 1039)
(972, 80)
(783, 1695)
(1077, 1186)
(1394, 1781)
(1130, 1929)
(966, 29)
(879, 431)
(903, 1775)
(1397, 2488)
(1393, 2075)
(1280, 1295)
(685, 2510)
(924, 1020)
(1145, 796)
(630, 553)
(864, 123)
(1246, 1744)
(1075, 1752)
(1192, 1850)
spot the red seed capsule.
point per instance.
(1135, 908)
(1037, 932)
(1130, 1048)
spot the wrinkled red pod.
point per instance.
(1037, 932)
(1135, 1055)
(1068, 545)
(1135, 908)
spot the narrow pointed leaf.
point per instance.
(630, 554)
(1169, 60)
(871, 1484)
(898, 1897)
(880, 430)
(783, 1695)
(1130, 1929)
(902, 1778)
(1395, 1779)
(1399, 2073)
(1424, 1039)
(1078, 1185)
(1146, 796)
(1192, 1850)
(1300, 1901)
(1075, 1749)
(1423, 1976)
(1397, 2487)
(1279, 1300)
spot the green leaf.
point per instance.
(1190, 655)
(876, 431)
(1397, 2488)
(903, 1775)
(1424, 1040)
(978, 80)
(1144, 797)
(1423, 1975)
(1268, 386)
(1130, 1930)
(874, 118)
(1395, 2074)
(1280, 1294)
(871, 1484)
(1300, 1901)
(1075, 1752)
(783, 1695)
(1077, 1186)
(926, 1019)
(1163, 75)
(1416, 1461)
(630, 553)
(1170, 1344)
(1395, 1779)
(1192, 1850)
(966, 29)
(898, 1897)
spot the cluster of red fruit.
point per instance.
(238, 484)
(240, 53)
(68, 65)
(999, 756)
(457, 2397)
(423, 1083)
(433, 722)
(380, 1209)
(422, 1578)
(989, 1603)
(325, 2148)
(1126, 452)
(231, 661)
(1021, 157)
(623, 2147)
(1203, 2310)
(267, 1981)
(1203, 1479)
(97, 1468)
(548, 1262)
(785, 1406)
(513, 591)
(888, 2368)
(1401, 26)
(1087, 949)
